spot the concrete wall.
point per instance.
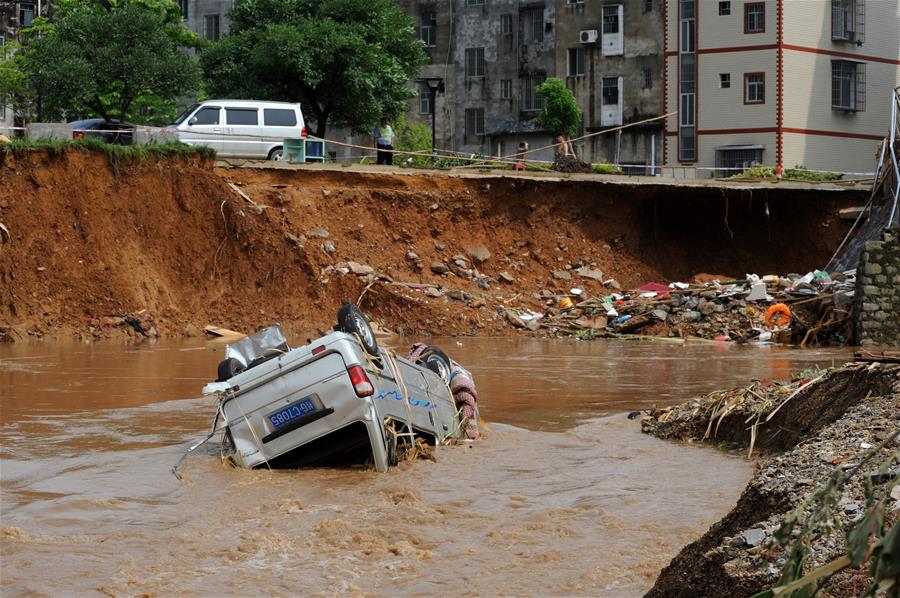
(878, 291)
(198, 9)
(643, 42)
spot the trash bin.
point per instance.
(294, 150)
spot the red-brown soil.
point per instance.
(89, 240)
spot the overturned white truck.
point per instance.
(340, 398)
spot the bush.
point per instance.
(800, 173)
(606, 169)
(413, 137)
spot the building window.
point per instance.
(737, 160)
(610, 93)
(185, 6)
(211, 27)
(687, 84)
(534, 25)
(575, 62)
(574, 2)
(648, 77)
(610, 19)
(428, 29)
(724, 8)
(848, 85)
(724, 80)
(474, 121)
(474, 62)
(533, 101)
(474, 2)
(506, 89)
(848, 19)
(506, 24)
(424, 98)
(755, 17)
(648, 5)
(26, 14)
(754, 88)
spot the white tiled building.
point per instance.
(780, 82)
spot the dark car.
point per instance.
(98, 128)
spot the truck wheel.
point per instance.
(352, 321)
(229, 368)
(438, 362)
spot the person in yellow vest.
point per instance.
(384, 142)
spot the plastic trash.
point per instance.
(623, 319)
(757, 292)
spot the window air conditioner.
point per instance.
(588, 36)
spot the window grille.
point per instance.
(848, 19)
(848, 85)
(506, 89)
(534, 25)
(506, 24)
(474, 62)
(474, 121)
(533, 101)
(648, 77)
(610, 91)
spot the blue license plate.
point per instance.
(291, 412)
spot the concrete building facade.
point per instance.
(779, 82)
(610, 55)
(14, 16)
(207, 18)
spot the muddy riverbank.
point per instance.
(103, 250)
(803, 432)
(561, 498)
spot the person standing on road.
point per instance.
(384, 142)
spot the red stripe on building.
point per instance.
(733, 131)
(842, 54)
(833, 134)
(736, 49)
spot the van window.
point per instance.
(280, 117)
(241, 116)
(207, 116)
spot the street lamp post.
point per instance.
(435, 84)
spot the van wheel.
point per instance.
(277, 154)
(352, 321)
(438, 362)
(229, 368)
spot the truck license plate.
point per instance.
(291, 412)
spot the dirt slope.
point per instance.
(89, 240)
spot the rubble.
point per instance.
(842, 422)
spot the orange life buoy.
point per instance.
(778, 315)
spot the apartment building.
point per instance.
(610, 55)
(779, 82)
(14, 16)
(491, 54)
(207, 18)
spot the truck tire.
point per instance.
(229, 368)
(438, 362)
(352, 321)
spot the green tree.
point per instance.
(413, 137)
(108, 58)
(560, 113)
(346, 61)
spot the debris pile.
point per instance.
(813, 309)
(830, 450)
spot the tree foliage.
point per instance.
(560, 113)
(346, 61)
(108, 58)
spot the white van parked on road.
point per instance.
(241, 128)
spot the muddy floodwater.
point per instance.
(564, 496)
